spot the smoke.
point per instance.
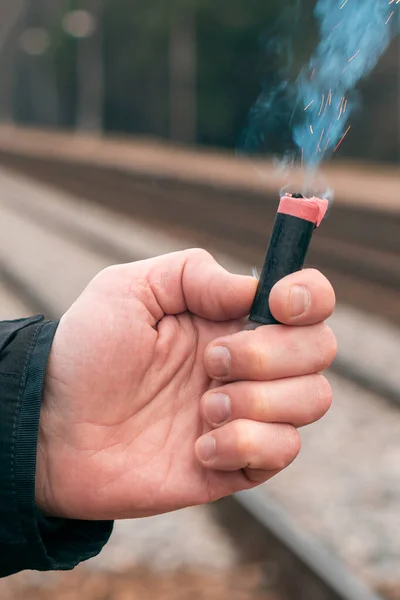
(313, 113)
(269, 121)
(354, 35)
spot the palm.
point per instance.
(125, 444)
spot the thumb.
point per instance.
(193, 280)
(214, 293)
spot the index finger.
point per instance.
(303, 298)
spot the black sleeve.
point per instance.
(28, 539)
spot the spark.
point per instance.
(341, 101)
(343, 106)
(342, 138)
(390, 16)
(344, 4)
(311, 129)
(391, 2)
(322, 105)
(312, 74)
(327, 144)
(328, 101)
(320, 140)
(308, 105)
(354, 55)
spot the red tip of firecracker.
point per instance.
(309, 209)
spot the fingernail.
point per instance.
(205, 448)
(218, 408)
(299, 300)
(218, 361)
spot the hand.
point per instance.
(155, 399)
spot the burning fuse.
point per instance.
(295, 223)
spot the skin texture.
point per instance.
(130, 413)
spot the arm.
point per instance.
(149, 397)
(29, 540)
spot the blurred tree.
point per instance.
(188, 70)
(158, 56)
(230, 65)
(183, 73)
(36, 96)
(12, 16)
(85, 24)
(64, 51)
(137, 67)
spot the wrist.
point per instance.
(48, 439)
(43, 496)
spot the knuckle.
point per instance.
(137, 288)
(258, 476)
(106, 275)
(327, 346)
(290, 444)
(199, 254)
(243, 438)
(109, 272)
(260, 402)
(256, 357)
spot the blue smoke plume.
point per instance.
(354, 35)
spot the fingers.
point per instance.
(273, 352)
(249, 444)
(274, 383)
(192, 280)
(304, 298)
(298, 401)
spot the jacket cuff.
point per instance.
(31, 540)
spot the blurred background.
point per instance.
(124, 134)
(186, 71)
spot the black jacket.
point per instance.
(28, 539)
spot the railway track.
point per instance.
(98, 232)
(358, 248)
(294, 563)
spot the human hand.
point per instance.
(151, 358)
